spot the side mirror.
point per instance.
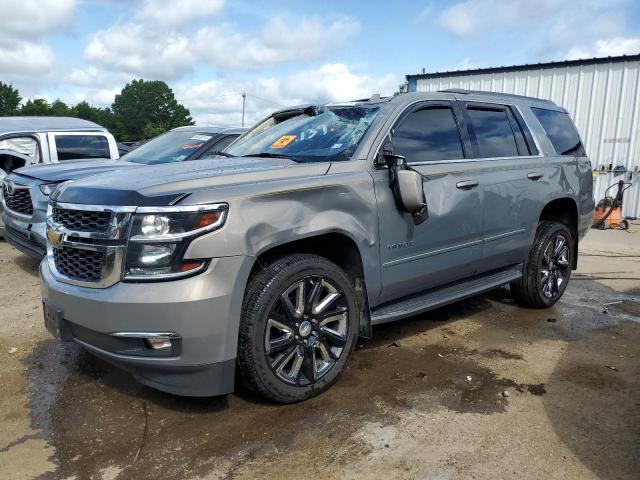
(393, 160)
(411, 190)
(407, 188)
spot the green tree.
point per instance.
(37, 107)
(144, 109)
(60, 109)
(9, 99)
(101, 116)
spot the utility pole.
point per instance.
(244, 97)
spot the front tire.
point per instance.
(547, 270)
(298, 328)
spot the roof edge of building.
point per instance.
(525, 67)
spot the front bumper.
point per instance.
(28, 234)
(24, 241)
(203, 310)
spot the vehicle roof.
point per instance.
(450, 94)
(213, 129)
(45, 124)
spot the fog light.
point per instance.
(159, 343)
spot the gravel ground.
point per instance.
(479, 389)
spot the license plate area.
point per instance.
(53, 320)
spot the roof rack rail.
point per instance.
(493, 94)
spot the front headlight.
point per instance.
(48, 188)
(160, 237)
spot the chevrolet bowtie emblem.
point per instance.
(53, 237)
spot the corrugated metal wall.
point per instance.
(603, 99)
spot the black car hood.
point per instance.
(73, 169)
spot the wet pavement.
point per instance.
(479, 389)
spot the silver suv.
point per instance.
(323, 221)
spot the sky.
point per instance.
(286, 52)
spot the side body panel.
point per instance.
(445, 247)
(342, 201)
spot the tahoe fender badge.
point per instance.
(395, 246)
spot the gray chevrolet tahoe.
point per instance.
(266, 266)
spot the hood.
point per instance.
(73, 169)
(166, 182)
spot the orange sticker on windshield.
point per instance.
(283, 141)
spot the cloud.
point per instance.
(101, 97)
(606, 48)
(424, 14)
(148, 50)
(178, 12)
(583, 28)
(219, 102)
(25, 62)
(476, 16)
(30, 18)
(282, 40)
(140, 51)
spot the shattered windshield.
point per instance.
(330, 134)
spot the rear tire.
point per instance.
(298, 328)
(547, 270)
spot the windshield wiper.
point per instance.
(221, 153)
(268, 155)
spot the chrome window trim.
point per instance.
(461, 160)
(468, 160)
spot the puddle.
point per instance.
(98, 417)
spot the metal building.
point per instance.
(601, 94)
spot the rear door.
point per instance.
(81, 146)
(448, 244)
(514, 179)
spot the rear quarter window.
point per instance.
(561, 131)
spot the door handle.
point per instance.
(467, 184)
(534, 176)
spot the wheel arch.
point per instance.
(564, 210)
(336, 246)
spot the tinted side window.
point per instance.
(493, 133)
(221, 145)
(73, 147)
(428, 135)
(561, 131)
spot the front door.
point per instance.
(447, 246)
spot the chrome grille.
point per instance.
(19, 200)
(79, 264)
(82, 220)
(86, 243)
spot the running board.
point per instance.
(419, 303)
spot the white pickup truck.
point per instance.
(27, 141)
